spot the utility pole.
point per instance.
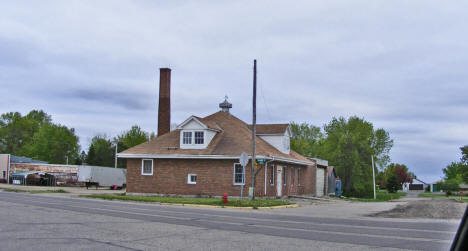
(254, 121)
(116, 143)
(373, 175)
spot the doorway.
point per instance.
(279, 181)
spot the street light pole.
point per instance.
(116, 143)
(373, 175)
(254, 121)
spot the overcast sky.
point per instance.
(93, 65)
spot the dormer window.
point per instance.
(199, 138)
(196, 135)
(193, 139)
(187, 138)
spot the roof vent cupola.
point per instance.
(225, 105)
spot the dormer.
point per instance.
(277, 135)
(195, 133)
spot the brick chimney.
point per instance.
(164, 109)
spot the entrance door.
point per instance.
(279, 181)
(320, 182)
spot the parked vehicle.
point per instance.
(115, 178)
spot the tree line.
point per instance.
(36, 136)
(349, 145)
(455, 173)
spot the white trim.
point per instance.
(207, 156)
(142, 167)
(180, 126)
(234, 175)
(192, 144)
(189, 181)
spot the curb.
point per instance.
(230, 207)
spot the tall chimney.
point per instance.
(164, 110)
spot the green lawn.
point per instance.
(202, 201)
(33, 191)
(381, 195)
(436, 195)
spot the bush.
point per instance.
(392, 184)
(449, 186)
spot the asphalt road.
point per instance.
(38, 222)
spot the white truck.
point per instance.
(115, 178)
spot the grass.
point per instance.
(33, 191)
(381, 196)
(201, 201)
(437, 195)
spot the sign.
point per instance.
(243, 159)
(261, 161)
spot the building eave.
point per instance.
(194, 156)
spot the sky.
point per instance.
(94, 66)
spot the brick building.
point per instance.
(201, 157)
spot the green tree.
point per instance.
(101, 151)
(349, 145)
(130, 138)
(449, 186)
(133, 137)
(392, 184)
(455, 171)
(394, 169)
(306, 139)
(90, 157)
(464, 151)
(54, 144)
(17, 131)
(458, 171)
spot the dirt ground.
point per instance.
(434, 208)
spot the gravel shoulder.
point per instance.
(433, 208)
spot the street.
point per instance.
(39, 222)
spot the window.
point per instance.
(147, 167)
(187, 138)
(292, 175)
(285, 178)
(272, 175)
(199, 138)
(192, 178)
(299, 176)
(239, 174)
(4, 174)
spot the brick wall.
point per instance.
(214, 177)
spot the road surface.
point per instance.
(39, 222)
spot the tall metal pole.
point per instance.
(254, 121)
(115, 165)
(373, 175)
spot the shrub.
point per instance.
(449, 186)
(392, 184)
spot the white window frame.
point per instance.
(143, 167)
(192, 144)
(195, 138)
(191, 138)
(189, 180)
(234, 175)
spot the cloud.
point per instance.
(94, 65)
